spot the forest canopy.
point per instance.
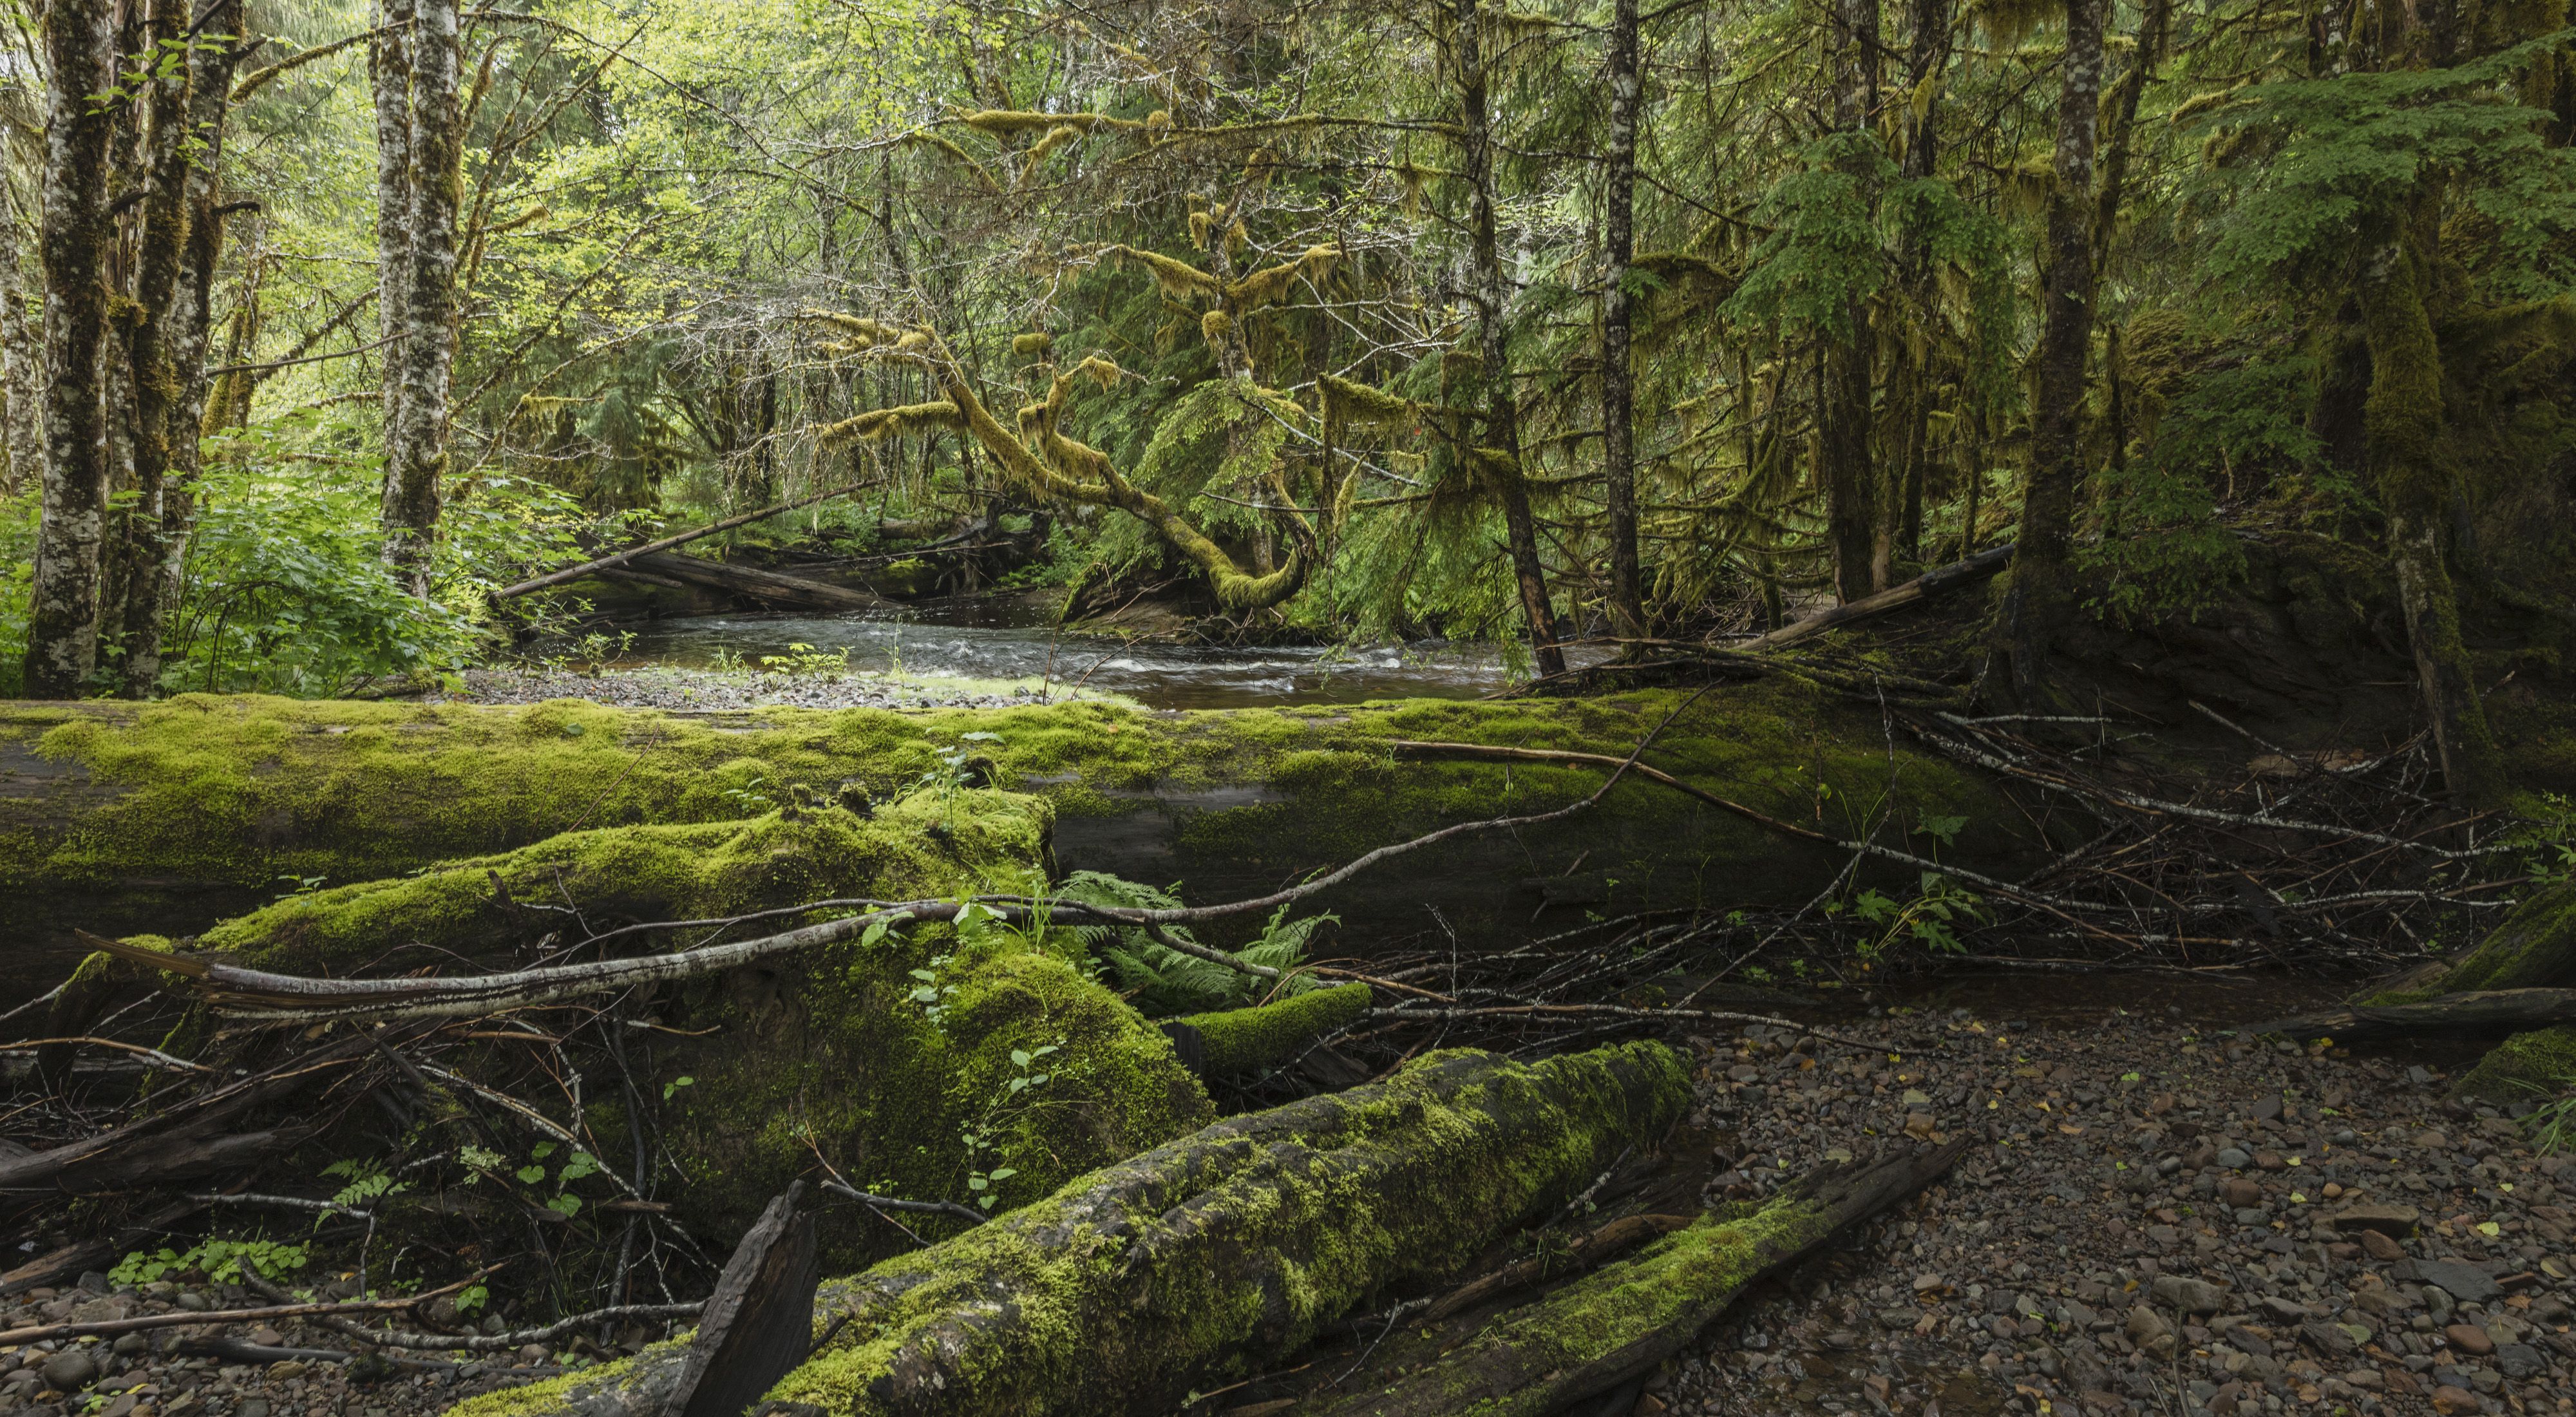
(1538, 322)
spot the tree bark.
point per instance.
(1491, 296)
(1928, 56)
(1618, 376)
(1238, 1242)
(22, 355)
(2040, 599)
(154, 379)
(2402, 417)
(1850, 354)
(389, 80)
(434, 148)
(62, 618)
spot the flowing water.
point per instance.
(1001, 639)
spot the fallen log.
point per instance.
(622, 558)
(1612, 1326)
(1268, 1035)
(98, 1253)
(2535, 948)
(1205, 1255)
(2485, 1013)
(1934, 582)
(768, 586)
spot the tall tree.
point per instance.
(1900, 517)
(417, 89)
(1850, 352)
(1618, 375)
(1500, 458)
(2040, 598)
(62, 614)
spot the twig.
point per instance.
(101, 1327)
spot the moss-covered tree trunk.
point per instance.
(1850, 354)
(1222, 1250)
(1618, 378)
(2040, 600)
(1491, 294)
(62, 608)
(432, 154)
(2403, 419)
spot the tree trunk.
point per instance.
(1616, 1324)
(156, 382)
(1618, 376)
(434, 143)
(2041, 597)
(389, 80)
(1928, 57)
(22, 356)
(62, 613)
(1235, 1244)
(1860, 565)
(1491, 295)
(2402, 417)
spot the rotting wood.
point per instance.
(1935, 582)
(757, 1326)
(621, 558)
(1588, 1249)
(2485, 1013)
(761, 585)
(1613, 1325)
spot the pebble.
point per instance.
(702, 690)
(69, 1372)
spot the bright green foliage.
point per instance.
(1268, 1035)
(1164, 980)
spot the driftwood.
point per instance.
(80, 1255)
(2486, 1013)
(1612, 1326)
(768, 586)
(623, 558)
(757, 1326)
(1221, 1249)
(1896, 597)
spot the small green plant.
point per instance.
(367, 1181)
(752, 797)
(300, 885)
(978, 1137)
(952, 772)
(670, 1089)
(222, 1261)
(726, 660)
(2553, 1126)
(805, 659)
(1164, 980)
(1931, 918)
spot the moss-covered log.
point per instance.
(2528, 1067)
(828, 1052)
(1616, 1323)
(2489, 1013)
(1268, 1035)
(120, 817)
(2535, 948)
(1127, 1288)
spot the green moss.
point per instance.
(242, 790)
(1267, 1035)
(2528, 1067)
(1216, 1251)
(2535, 948)
(828, 1051)
(1665, 1292)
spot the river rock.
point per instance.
(2381, 1248)
(2469, 1339)
(2394, 1221)
(69, 1372)
(2463, 1282)
(2191, 1296)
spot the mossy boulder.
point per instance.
(154, 810)
(837, 1051)
(2535, 948)
(2528, 1067)
(1218, 1251)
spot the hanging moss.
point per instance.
(1268, 1035)
(876, 425)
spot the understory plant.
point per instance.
(1161, 980)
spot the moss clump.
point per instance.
(1267, 1035)
(2528, 1067)
(2535, 948)
(1220, 1249)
